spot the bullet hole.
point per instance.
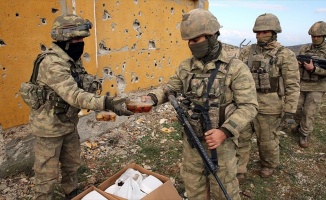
(183, 12)
(160, 80)
(43, 47)
(103, 5)
(172, 10)
(108, 71)
(151, 44)
(2, 43)
(112, 86)
(126, 30)
(43, 20)
(121, 83)
(170, 34)
(123, 65)
(136, 25)
(103, 49)
(155, 64)
(106, 15)
(113, 26)
(87, 57)
(17, 14)
(163, 58)
(139, 13)
(4, 69)
(136, 2)
(134, 77)
(54, 10)
(16, 95)
(133, 47)
(19, 105)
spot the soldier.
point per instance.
(275, 71)
(67, 88)
(231, 84)
(313, 83)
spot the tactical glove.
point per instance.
(287, 120)
(116, 106)
(167, 92)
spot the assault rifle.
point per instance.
(317, 62)
(195, 142)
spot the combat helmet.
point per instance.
(68, 26)
(267, 22)
(198, 22)
(318, 29)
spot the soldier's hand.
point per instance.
(287, 120)
(116, 106)
(214, 138)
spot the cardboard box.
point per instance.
(90, 189)
(164, 192)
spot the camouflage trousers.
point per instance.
(198, 185)
(267, 129)
(51, 156)
(308, 106)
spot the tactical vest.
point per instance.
(264, 69)
(307, 75)
(205, 99)
(85, 81)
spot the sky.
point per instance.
(237, 19)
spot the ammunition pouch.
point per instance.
(62, 109)
(90, 83)
(33, 95)
(195, 121)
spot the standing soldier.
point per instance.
(276, 74)
(313, 83)
(66, 88)
(209, 80)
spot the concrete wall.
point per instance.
(135, 44)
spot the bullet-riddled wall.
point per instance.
(134, 44)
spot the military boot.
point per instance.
(72, 194)
(303, 142)
(295, 129)
(241, 178)
(266, 172)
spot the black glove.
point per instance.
(115, 105)
(287, 120)
(167, 92)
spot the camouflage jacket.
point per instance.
(283, 67)
(238, 88)
(320, 52)
(54, 72)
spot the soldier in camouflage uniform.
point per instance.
(232, 85)
(275, 71)
(313, 83)
(68, 88)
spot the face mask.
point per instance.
(317, 40)
(199, 50)
(262, 40)
(75, 50)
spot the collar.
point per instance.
(197, 64)
(61, 52)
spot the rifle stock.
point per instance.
(195, 142)
(317, 62)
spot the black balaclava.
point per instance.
(206, 50)
(74, 50)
